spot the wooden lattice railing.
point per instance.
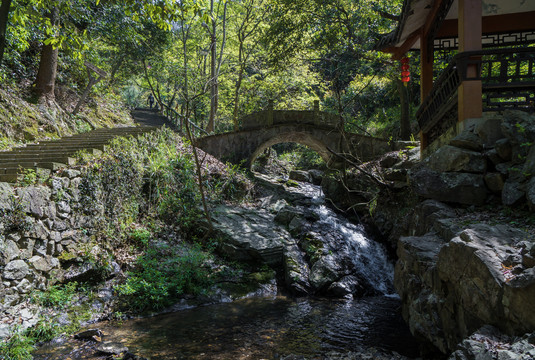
(508, 82)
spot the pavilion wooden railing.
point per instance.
(508, 82)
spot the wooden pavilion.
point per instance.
(494, 65)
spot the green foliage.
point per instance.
(17, 347)
(15, 218)
(28, 177)
(57, 296)
(162, 275)
(140, 236)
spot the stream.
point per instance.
(277, 326)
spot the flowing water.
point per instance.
(276, 326)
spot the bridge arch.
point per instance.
(293, 137)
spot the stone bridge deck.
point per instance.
(318, 130)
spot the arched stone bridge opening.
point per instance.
(319, 131)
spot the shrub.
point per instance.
(162, 274)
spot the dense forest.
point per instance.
(210, 61)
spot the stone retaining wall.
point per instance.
(40, 224)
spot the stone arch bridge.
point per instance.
(318, 130)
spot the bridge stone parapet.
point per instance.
(267, 118)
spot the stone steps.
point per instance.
(51, 155)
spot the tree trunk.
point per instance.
(238, 86)
(4, 16)
(405, 123)
(46, 75)
(213, 79)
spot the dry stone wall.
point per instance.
(41, 224)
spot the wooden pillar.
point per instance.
(426, 78)
(470, 32)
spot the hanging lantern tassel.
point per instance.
(405, 73)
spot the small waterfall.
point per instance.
(368, 256)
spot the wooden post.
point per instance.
(470, 33)
(426, 79)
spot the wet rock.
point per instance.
(299, 175)
(88, 334)
(494, 181)
(451, 158)
(296, 270)
(460, 188)
(16, 270)
(467, 140)
(111, 348)
(130, 356)
(287, 214)
(346, 287)
(324, 272)
(504, 149)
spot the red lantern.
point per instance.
(405, 73)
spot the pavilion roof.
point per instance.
(499, 16)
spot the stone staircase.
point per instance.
(48, 156)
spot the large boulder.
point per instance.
(250, 235)
(450, 158)
(463, 188)
(467, 140)
(414, 278)
(299, 175)
(449, 289)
